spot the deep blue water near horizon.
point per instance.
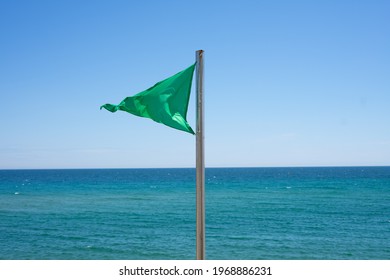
(251, 213)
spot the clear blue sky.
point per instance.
(287, 83)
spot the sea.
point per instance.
(311, 213)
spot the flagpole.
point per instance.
(200, 168)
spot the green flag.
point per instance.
(166, 102)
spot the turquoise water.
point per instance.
(252, 213)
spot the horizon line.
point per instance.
(212, 167)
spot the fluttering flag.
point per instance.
(166, 102)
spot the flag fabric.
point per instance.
(166, 102)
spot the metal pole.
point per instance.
(200, 174)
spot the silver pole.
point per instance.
(200, 174)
